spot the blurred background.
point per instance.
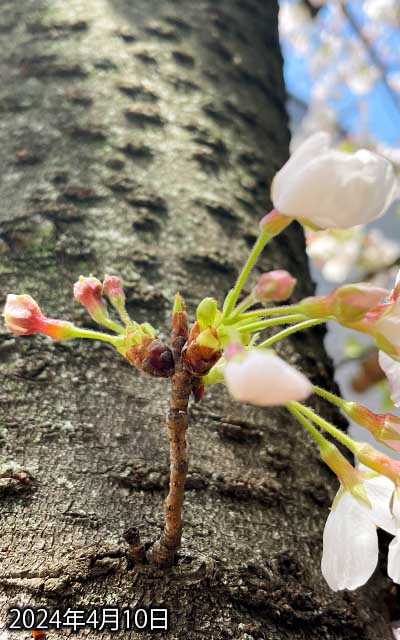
(342, 72)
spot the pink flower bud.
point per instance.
(352, 302)
(87, 291)
(263, 378)
(274, 286)
(23, 316)
(112, 288)
(348, 304)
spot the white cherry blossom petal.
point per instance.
(264, 379)
(350, 552)
(380, 493)
(331, 188)
(394, 559)
(391, 368)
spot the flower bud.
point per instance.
(87, 291)
(180, 329)
(352, 302)
(263, 378)
(23, 316)
(148, 354)
(347, 304)
(112, 288)
(158, 360)
(274, 286)
(206, 312)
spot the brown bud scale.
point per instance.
(152, 356)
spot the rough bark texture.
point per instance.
(139, 138)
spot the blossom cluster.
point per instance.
(322, 188)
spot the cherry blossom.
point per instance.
(263, 378)
(355, 252)
(331, 188)
(350, 564)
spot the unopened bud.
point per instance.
(352, 302)
(88, 292)
(112, 288)
(158, 360)
(179, 305)
(180, 327)
(151, 355)
(23, 316)
(274, 286)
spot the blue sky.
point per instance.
(381, 114)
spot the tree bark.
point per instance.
(140, 138)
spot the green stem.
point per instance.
(124, 315)
(272, 322)
(318, 437)
(327, 426)
(287, 332)
(114, 326)
(270, 311)
(331, 397)
(259, 245)
(245, 304)
(76, 332)
(267, 311)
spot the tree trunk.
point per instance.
(140, 138)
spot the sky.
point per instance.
(348, 81)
